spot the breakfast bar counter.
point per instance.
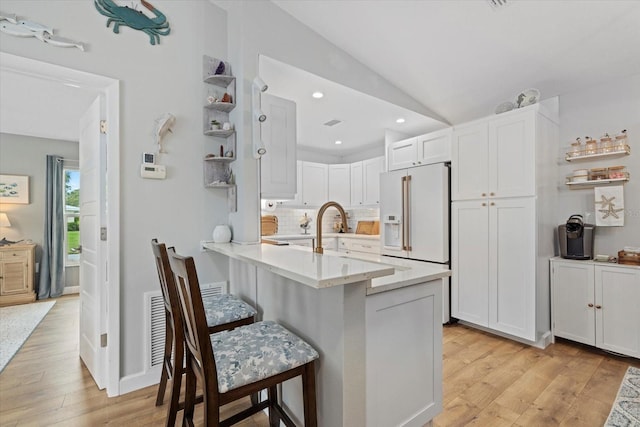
(375, 321)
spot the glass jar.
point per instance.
(621, 141)
(591, 146)
(576, 148)
(596, 174)
(617, 172)
(606, 144)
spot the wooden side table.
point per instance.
(17, 272)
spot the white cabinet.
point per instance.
(434, 147)
(314, 184)
(297, 198)
(495, 158)
(501, 226)
(371, 170)
(494, 284)
(339, 183)
(404, 329)
(597, 304)
(355, 244)
(278, 134)
(365, 182)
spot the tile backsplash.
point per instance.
(289, 218)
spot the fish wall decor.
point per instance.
(10, 24)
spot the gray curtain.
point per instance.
(53, 253)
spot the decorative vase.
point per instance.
(222, 234)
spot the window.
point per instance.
(72, 216)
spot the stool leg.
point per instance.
(309, 395)
(274, 418)
(168, 344)
(190, 393)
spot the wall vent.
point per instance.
(154, 315)
(499, 4)
(333, 122)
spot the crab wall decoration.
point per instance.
(124, 15)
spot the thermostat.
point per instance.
(153, 171)
(148, 158)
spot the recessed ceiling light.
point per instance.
(400, 120)
(317, 95)
(338, 142)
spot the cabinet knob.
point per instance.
(590, 305)
(484, 204)
(493, 204)
(419, 163)
(492, 194)
(598, 306)
(484, 194)
(413, 163)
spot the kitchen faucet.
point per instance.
(323, 208)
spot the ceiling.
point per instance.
(462, 58)
(363, 118)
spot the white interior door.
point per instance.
(92, 258)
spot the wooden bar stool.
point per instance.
(237, 363)
(222, 312)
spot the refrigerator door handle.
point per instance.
(405, 213)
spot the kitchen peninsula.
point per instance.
(376, 322)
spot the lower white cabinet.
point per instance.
(596, 304)
(404, 355)
(494, 264)
(350, 244)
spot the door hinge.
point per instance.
(103, 126)
(103, 233)
(103, 340)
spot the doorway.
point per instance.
(107, 90)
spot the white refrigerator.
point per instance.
(414, 211)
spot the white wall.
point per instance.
(154, 80)
(609, 107)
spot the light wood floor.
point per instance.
(488, 381)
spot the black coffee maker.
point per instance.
(576, 238)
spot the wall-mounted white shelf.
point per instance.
(220, 80)
(219, 133)
(611, 154)
(224, 107)
(222, 185)
(596, 182)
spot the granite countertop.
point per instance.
(333, 268)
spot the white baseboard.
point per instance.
(140, 380)
(541, 343)
(68, 290)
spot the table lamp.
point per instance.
(4, 222)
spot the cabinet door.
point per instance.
(356, 184)
(371, 170)
(339, 184)
(572, 301)
(402, 154)
(512, 266)
(297, 199)
(14, 273)
(470, 157)
(434, 147)
(314, 184)
(470, 261)
(512, 156)
(617, 292)
(278, 165)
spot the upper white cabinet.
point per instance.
(278, 164)
(356, 184)
(495, 157)
(425, 149)
(314, 183)
(502, 228)
(297, 199)
(596, 304)
(339, 183)
(371, 170)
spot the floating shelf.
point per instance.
(219, 159)
(219, 133)
(597, 182)
(221, 106)
(611, 154)
(220, 80)
(219, 185)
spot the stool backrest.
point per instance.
(196, 331)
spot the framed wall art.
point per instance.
(14, 189)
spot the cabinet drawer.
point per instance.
(8, 255)
(372, 247)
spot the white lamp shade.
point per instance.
(4, 220)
